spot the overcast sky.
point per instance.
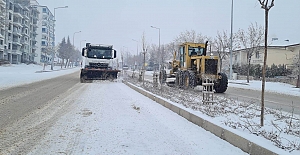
(117, 22)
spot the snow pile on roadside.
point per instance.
(280, 128)
(13, 75)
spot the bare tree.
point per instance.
(191, 36)
(266, 6)
(169, 50)
(187, 36)
(251, 41)
(221, 45)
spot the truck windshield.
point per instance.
(99, 53)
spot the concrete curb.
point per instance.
(234, 139)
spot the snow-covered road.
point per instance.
(111, 118)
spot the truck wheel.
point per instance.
(221, 84)
(82, 79)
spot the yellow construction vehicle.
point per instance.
(194, 67)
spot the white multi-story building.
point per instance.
(19, 31)
(2, 27)
(45, 36)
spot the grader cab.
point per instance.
(194, 67)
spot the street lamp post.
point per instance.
(137, 46)
(161, 66)
(231, 29)
(80, 43)
(159, 44)
(53, 53)
(74, 37)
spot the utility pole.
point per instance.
(144, 66)
(54, 20)
(137, 49)
(231, 29)
(298, 80)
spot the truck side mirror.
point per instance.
(82, 52)
(115, 53)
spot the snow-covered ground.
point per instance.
(101, 122)
(90, 125)
(13, 75)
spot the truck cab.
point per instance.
(98, 62)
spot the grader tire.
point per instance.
(179, 79)
(163, 76)
(186, 80)
(222, 84)
(193, 80)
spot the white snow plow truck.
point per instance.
(98, 63)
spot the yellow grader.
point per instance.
(194, 68)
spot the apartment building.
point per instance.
(18, 31)
(45, 37)
(2, 27)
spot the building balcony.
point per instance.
(16, 32)
(2, 2)
(25, 34)
(25, 25)
(1, 36)
(1, 47)
(26, 17)
(2, 17)
(17, 43)
(24, 42)
(25, 8)
(18, 14)
(16, 52)
(17, 23)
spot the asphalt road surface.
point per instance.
(287, 103)
(28, 111)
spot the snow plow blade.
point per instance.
(98, 74)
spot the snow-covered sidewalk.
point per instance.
(13, 75)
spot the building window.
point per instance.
(43, 43)
(44, 10)
(257, 55)
(44, 30)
